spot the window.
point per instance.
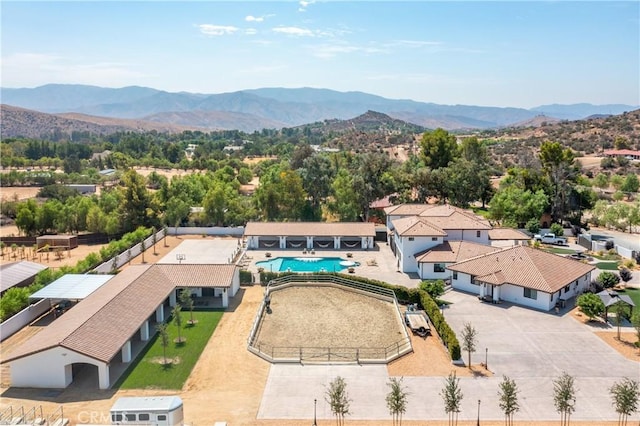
(478, 234)
(411, 238)
(116, 417)
(567, 288)
(434, 238)
(130, 417)
(474, 282)
(530, 293)
(438, 267)
(143, 417)
(455, 275)
(162, 417)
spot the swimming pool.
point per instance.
(306, 264)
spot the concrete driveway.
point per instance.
(531, 347)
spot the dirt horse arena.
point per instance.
(323, 318)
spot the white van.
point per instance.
(148, 410)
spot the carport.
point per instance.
(72, 287)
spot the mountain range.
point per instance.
(255, 109)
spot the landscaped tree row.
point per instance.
(17, 298)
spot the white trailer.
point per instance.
(148, 410)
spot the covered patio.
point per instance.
(310, 235)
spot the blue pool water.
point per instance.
(306, 264)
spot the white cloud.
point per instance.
(34, 69)
(216, 30)
(250, 31)
(294, 31)
(304, 4)
(326, 51)
(250, 18)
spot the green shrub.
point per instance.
(608, 279)
(557, 229)
(246, 277)
(435, 288)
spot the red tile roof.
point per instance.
(525, 267)
(101, 324)
(453, 251)
(496, 234)
(415, 226)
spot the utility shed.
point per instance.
(53, 241)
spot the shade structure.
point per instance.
(72, 287)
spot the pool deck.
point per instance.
(378, 263)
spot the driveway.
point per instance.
(531, 347)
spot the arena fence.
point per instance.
(283, 354)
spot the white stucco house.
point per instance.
(416, 228)
(433, 262)
(522, 275)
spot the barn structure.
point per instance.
(102, 334)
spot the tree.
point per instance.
(187, 302)
(469, 340)
(136, 205)
(590, 305)
(631, 183)
(396, 400)
(435, 288)
(452, 397)
(557, 229)
(177, 318)
(164, 340)
(439, 148)
(338, 399)
(635, 323)
(601, 181)
(176, 211)
(558, 165)
(625, 275)
(508, 394)
(513, 205)
(344, 203)
(607, 279)
(624, 395)
(618, 308)
(564, 397)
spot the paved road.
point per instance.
(631, 241)
(529, 346)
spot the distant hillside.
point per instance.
(364, 132)
(276, 107)
(584, 136)
(22, 122)
(537, 121)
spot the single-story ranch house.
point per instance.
(102, 333)
(310, 235)
(522, 275)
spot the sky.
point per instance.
(501, 53)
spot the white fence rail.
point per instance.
(116, 262)
(237, 231)
(22, 318)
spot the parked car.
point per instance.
(61, 307)
(550, 238)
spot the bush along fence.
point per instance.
(17, 298)
(404, 295)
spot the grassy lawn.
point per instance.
(558, 250)
(148, 372)
(607, 266)
(634, 294)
